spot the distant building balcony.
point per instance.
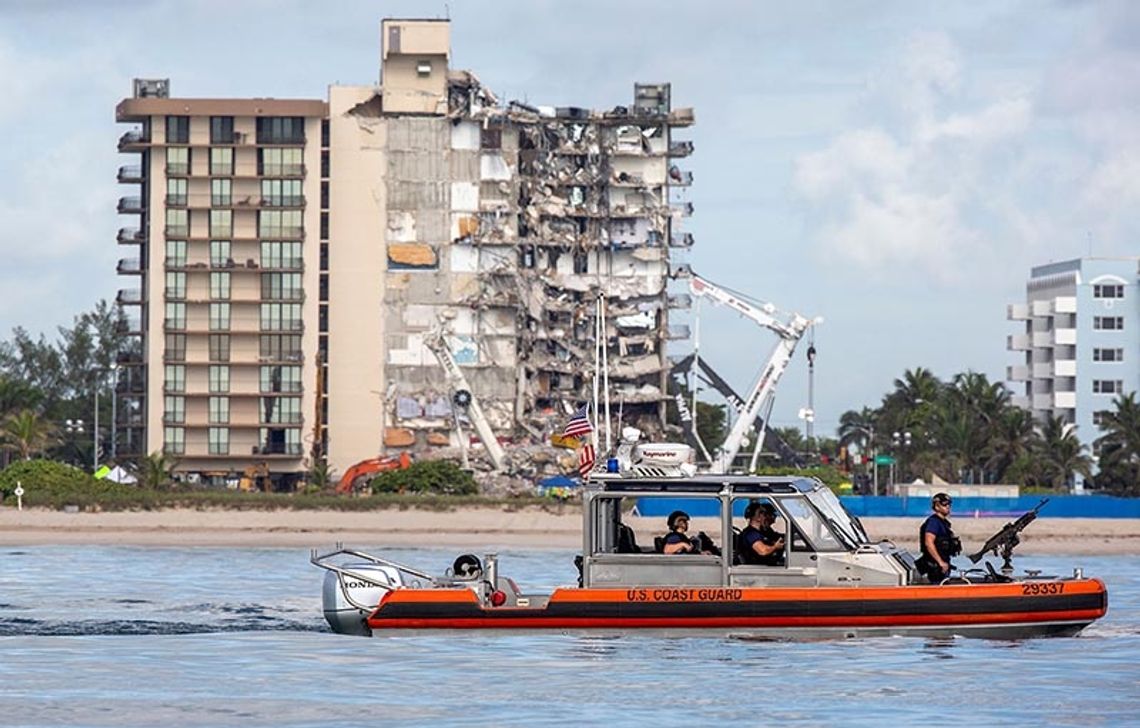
(129, 326)
(177, 231)
(131, 205)
(129, 266)
(1065, 368)
(1065, 400)
(1017, 342)
(131, 236)
(282, 170)
(683, 209)
(1039, 309)
(1043, 370)
(282, 233)
(1043, 401)
(677, 332)
(131, 174)
(1017, 373)
(682, 240)
(1019, 400)
(1065, 304)
(680, 149)
(1017, 312)
(679, 178)
(680, 301)
(1042, 339)
(133, 141)
(1065, 337)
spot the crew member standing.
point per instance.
(937, 541)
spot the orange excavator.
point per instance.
(356, 478)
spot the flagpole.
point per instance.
(597, 366)
(605, 374)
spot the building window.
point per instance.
(222, 161)
(219, 347)
(174, 410)
(175, 253)
(221, 192)
(581, 262)
(1108, 386)
(323, 318)
(220, 254)
(219, 285)
(281, 286)
(1113, 290)
(279, 224)
(491, 139)
(326, 164)
(324, 225)
(219, 316)
(222, 130)
(423, 68)
(280, 378)
(175, 347)
(281, 410)
(280, 441)
(1108, 323)
(175, 284)
(281, 193)
(280, 347)
(175, 316)
(283, 162)
(325, 194)
(174, 379)
(177, 222)
(281, 317)
(176, 188)
(219, 411)
(281, 130)
(219, 440)
(221, 223)
(178, 160)
(324, 256)
(1108, 354)
(1099, 417)
(283, 254)
(325, 132)
(219, 379)
(323, 286)
(178, 130)
(174, 440)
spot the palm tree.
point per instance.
(1062, 454)
(1013, 441)
(155, 470)
(1120, 445)
(857, 428)
(27, 433)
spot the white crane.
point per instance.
(462, 396)
(790, 333)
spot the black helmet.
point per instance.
(754, 506)
(672, 520)
(940, 499)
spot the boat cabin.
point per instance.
(824, 545)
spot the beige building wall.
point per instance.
(357, 264)
(414, 61)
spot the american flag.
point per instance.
(579, 424)
(586, 460)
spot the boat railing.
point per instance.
(324, 561)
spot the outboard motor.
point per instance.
(348, 600)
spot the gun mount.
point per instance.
(1006, 539)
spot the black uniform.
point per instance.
(767, 536)
(945, 542)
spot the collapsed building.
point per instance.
(460, 246)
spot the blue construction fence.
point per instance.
(1059, 506)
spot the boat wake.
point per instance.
(194, 619)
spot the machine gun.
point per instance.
(1006, 539)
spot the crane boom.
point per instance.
(790, 333)
(437, 344)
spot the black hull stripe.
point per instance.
(746, 609)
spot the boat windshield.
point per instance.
(817, 528)
(833, 511)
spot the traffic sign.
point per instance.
(884, 460)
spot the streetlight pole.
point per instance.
(95, 434)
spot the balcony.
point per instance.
(177, 231)
(1039, 309)
(129, 358)
(1017, 342)
(129, 326)
(1042, 339)
(680, 301)
(1065, 337)
(281, 233)
(1017, 312)
(1043, 401)
(1019, 400)
(677, 332)
(129, 296)
(1065, 304)
(131, 236)
(683, 240)
(1065, 400)
(177, 200)
(277, 448)
(680, 149)
(1065, 368)
(177, 169)
(174, 325)
(682, 209)
(131, 174)
(282, 170)
(129, 267)
(133, 141)
(282, 201)
(131, 205)
(1017, 373)
(1043, 370)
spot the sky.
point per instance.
(895, 168)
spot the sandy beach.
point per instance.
(476, 528)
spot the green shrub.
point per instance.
(829, 475)
(427, 476)
(52, 484)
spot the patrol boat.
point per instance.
(832, 579)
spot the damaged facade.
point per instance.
(450, 215)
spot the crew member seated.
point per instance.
(677, 541)
(760, 544)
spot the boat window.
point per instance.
(811, 525)
(740, 511)
(851, 530)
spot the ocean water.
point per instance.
(118, 636)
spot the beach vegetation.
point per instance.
(439, 477)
